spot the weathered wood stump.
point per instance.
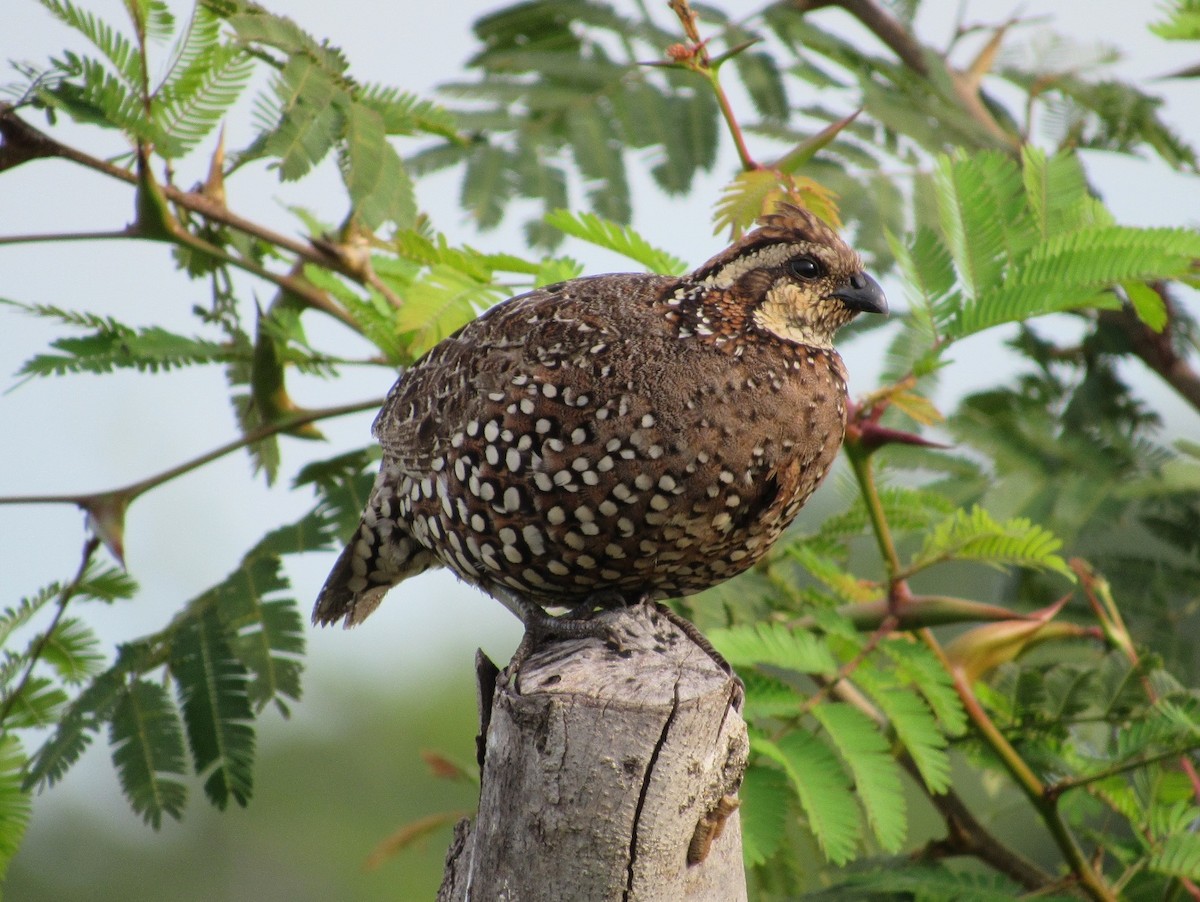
(610, 772)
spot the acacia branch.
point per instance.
(1156, 349)
(131, 491)
(22, 143)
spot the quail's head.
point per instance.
(805, 282)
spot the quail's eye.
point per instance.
(804, 268)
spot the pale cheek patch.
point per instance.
(789, 314)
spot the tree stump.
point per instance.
(609, 772)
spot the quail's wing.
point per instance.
(557, 326)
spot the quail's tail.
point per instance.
(373, 561)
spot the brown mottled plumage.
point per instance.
(631, 434)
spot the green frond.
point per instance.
(1182, 22)
(16, 617)
(983, 217)
(405, 113)
(212, 685)
(1010, 303)
(764, 812)
(148, 752)
(441, 303)
(255, 25)
(929, 278)
(1057, 191)
(15, 803)
(1100, 256)
(72, 649)
(974, 535)
(1178, 856)
(89, 92)
(310, 111)
(775, 645)
(488, 183)
(875, 773)
(380, 189)
(119, 50)
(114, 345)
(82, 718)
(39, 703)
(918, 731)
(817, 778)
(744, 200)
(197, 95)
(622, 239)
(916, 665)
(107, 584)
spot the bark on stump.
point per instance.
(602, 769)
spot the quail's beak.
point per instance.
(862, 294)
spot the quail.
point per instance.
(627, 436)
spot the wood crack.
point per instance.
(645, 791)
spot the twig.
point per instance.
(35, 654)
(134, 489)
(23, 142)
(701, 63)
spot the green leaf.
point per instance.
(974, 535)
(380, 189)
(917, 665)
(929, 276)
(622, 239)
(72, 650)
(114, 345)
(148, 750)
(1148, 303)
(981, 209)
(745, 199)
(212, 685)
(38, 704)
(820, 784)
(918, 732)
(1015, 302)
(15, 803)
(82, 718)
(311, 115)
(441, 304)
(764, 84)
(775, 645)
(14, 618)
(1179, 856)
(406, 114)
(763, 813)
(875, 773)
(1056, 190)
(488, 183)
(203, 82)
(121, 52)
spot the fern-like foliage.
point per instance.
(974, 535)
(621, 239)
(111, 345)
(1014, 243)
(234, 649)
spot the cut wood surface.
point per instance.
(610, 772)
